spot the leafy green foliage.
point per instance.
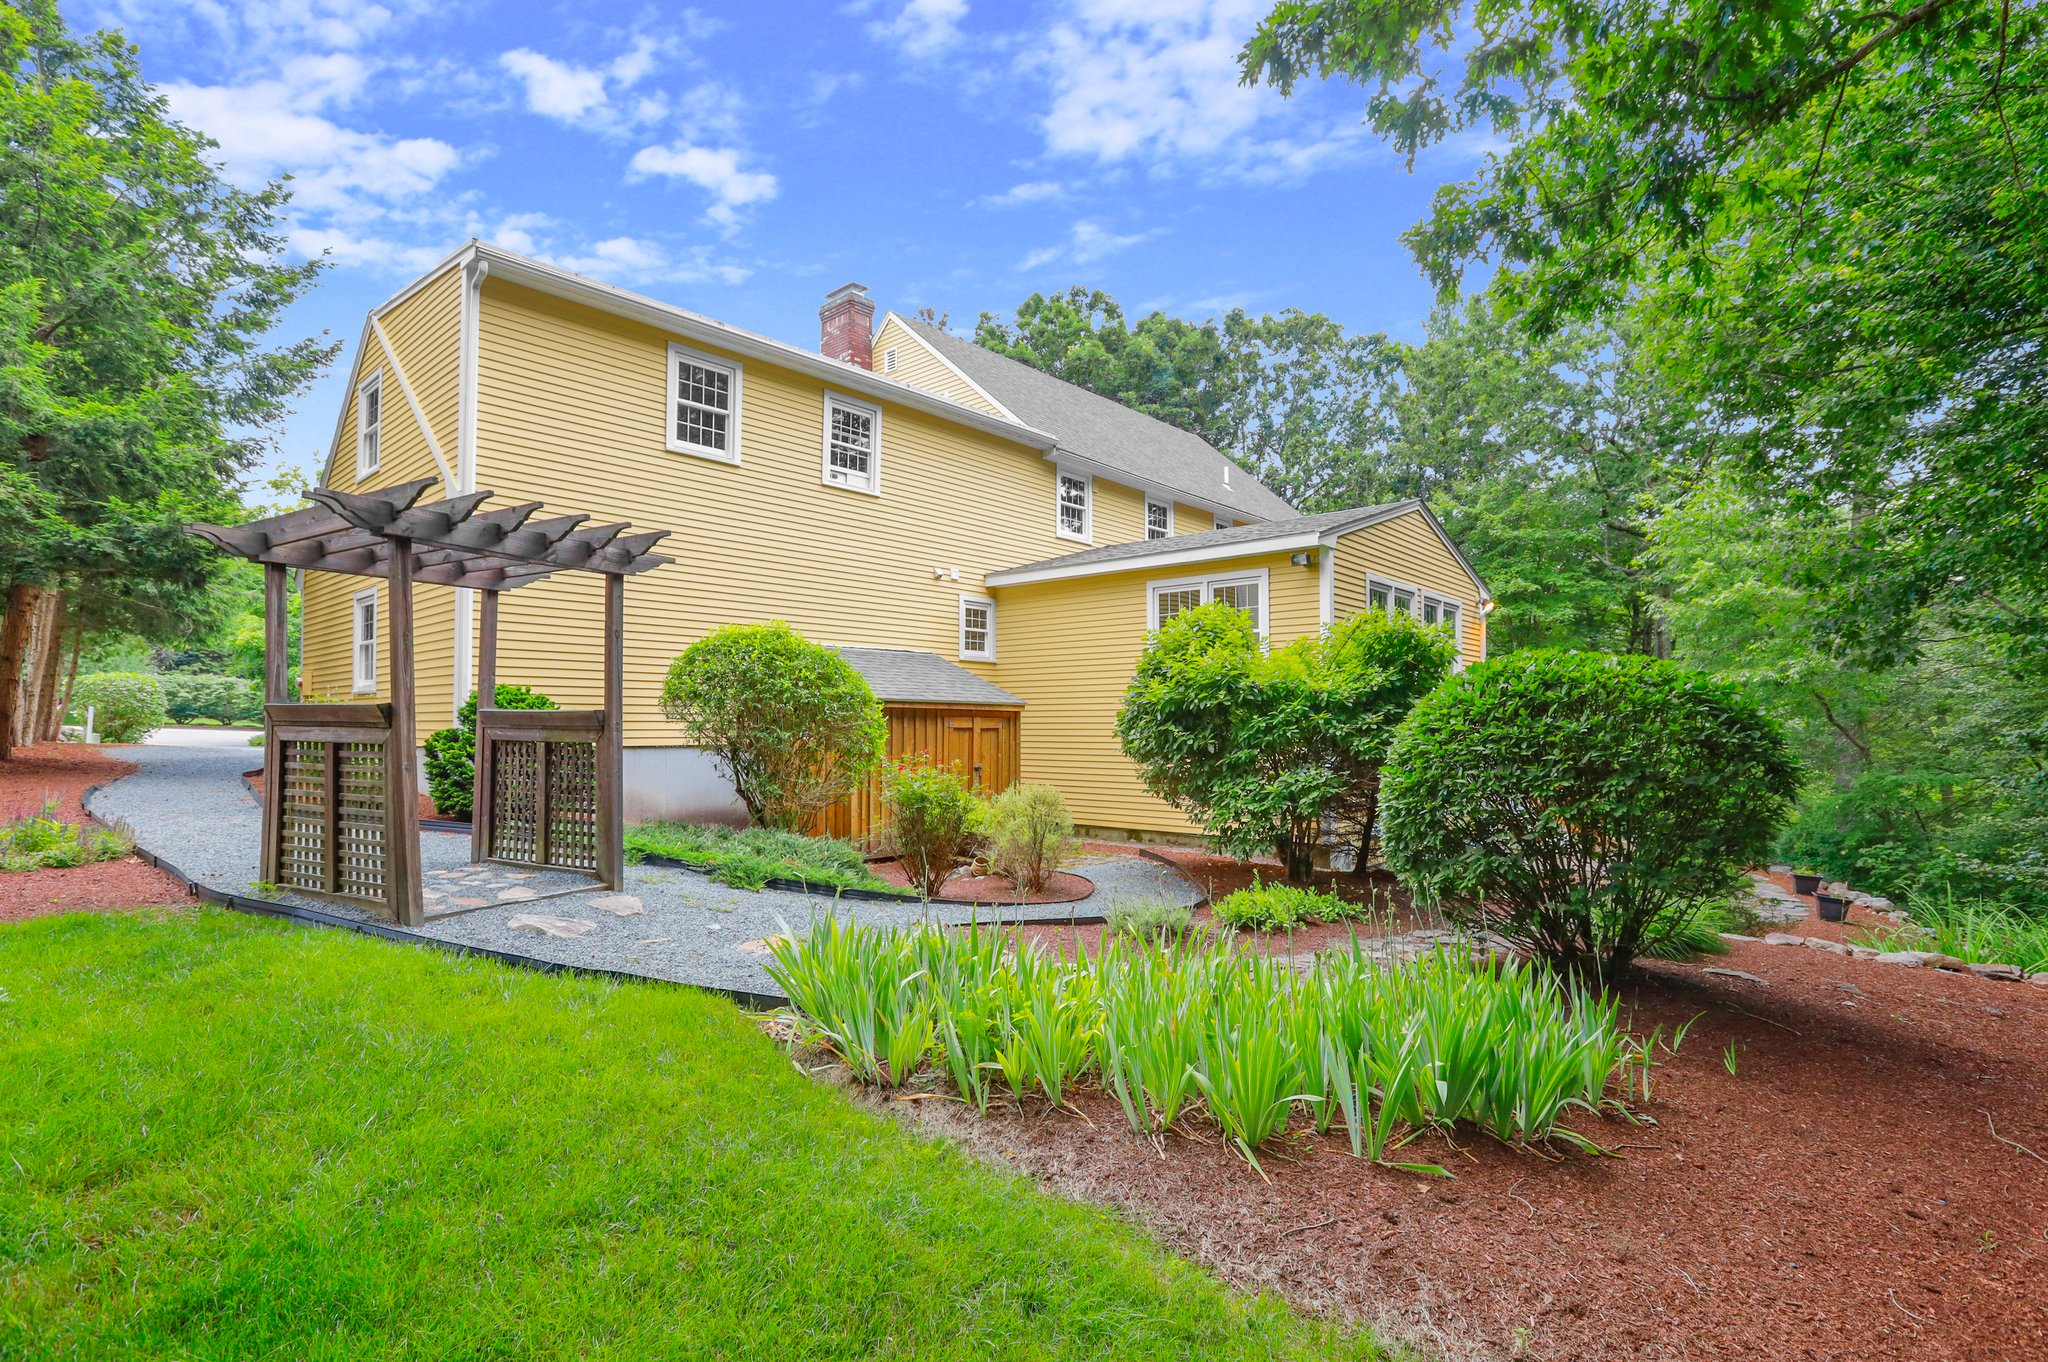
(1569, 800)
(933, 820)
(43, 840)
(1978, 930)
(127, 706)
(605, 1136)
(747, 858)
(1260, 748)
(1029, 834)
(1199, 1029)
(206, 695)
(1283, 907)
(451, 752)
(1150, 919)
(790, 723)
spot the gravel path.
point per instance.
(187, 804)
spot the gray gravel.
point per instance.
(187, 805)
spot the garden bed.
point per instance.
(1841, 1194)
(65, 771)
(1064, 887)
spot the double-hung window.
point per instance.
(1396, 598)
(703, 405)
(978, 628)
(1158, 519)
(364, 631)
(1076, 506)
(370, 424)
(1245, 590)
(853, 444)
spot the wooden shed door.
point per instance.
(976, 747)
(980, 744)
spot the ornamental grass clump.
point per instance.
(1199, 1032)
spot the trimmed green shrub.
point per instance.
(791, 724)
(1030, 835)
(127, 706)
(1266, 750)
(207, 695)
(1280, 907)
(933, 820)
(1569, 801)
(451, 752)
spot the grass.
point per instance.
(44, 841)
(747, 858)
(1978, 931)
(233, 1139)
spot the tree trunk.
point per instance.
(48, 668)
(70, 684)
(13, 641)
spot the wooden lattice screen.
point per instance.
(336, 830)
(538, 769)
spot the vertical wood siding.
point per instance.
(980, 743)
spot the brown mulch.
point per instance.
(1063, 887)
(1841, 1196)
(65, 770)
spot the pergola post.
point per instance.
(276, 674)
(611, 749)
(402, 817)
(480, 752)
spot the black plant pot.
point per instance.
(1805, 884)
(1831, 908)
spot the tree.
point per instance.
(1582, 804)
(136, 289)
(1261, 749)
(790, 723)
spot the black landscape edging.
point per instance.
(242, 903)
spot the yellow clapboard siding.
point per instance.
(1407, 550)
(920, 366)
(1069, 649)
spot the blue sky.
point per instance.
(741, 160)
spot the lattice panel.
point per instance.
(515, 801)
(302, 832)
(572, 805)
(359, 864)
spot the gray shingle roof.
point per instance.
(905, 676)
(1149, 452)
(1248, 535)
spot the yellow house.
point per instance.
(988, 544)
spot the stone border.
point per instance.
(1910, 959)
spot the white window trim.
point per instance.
(1457, 629)
(1222, 523)
(366, 464)
(874, 415)
(1167, 502)
(736, 374)
(1059, 524)
(988, 654)
(1214, 579)
(889, 359)
(1415, 593)
(1418, 595)
(359, 683)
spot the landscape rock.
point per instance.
(1832, 947)
(551, 926)
(1861, 952)
(619, 905)
(1920, 960)
(1738, 936)
(2009, 972)
(2041, 978)
(1783, 939)
(1720, 972)
(517, 895)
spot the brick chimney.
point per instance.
(846, 324)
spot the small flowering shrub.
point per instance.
(933, 820)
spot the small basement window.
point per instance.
(1245, 590)
(1076, 506)
(370, 424)
(364, 652)
(703, 405)
(1158, 519)
(853, 444)
(978, 628)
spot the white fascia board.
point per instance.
(1146, 562)
(907, 329)
(561, 283)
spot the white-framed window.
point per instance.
(703, 405)
(1158, 519)
(889, 360)
(370, 424)
(1245, 590)
(1076, 508)
(978, 628)
(364, 632)
(1398, 598)
(853, 444)
(1443, 611)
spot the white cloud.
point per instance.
(1034, 191)
(555, 89)
(922, 29)
(1087, 242)
(715, 169)
(594, 97)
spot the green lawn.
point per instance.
(227, 1138)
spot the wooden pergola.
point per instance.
(341, 784)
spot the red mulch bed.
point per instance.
(1063, 887)
(1842, 1196)
(65, 770)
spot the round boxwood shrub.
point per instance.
(1582, 805)
(451, 752)
(127, 706)
(789, 722)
